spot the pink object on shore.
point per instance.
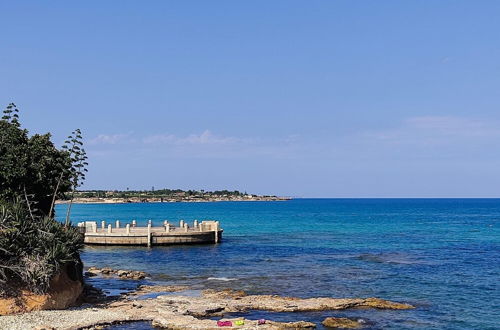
(262, 321)
(224, 323)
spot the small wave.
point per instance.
(225, 279)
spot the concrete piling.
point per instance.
(216, 231)
(134, 223)
(167, 227)
(186, 227)
(195, 224)
(103, 224)
(117, 223)
(127, 228)
(149, 233)
(109, 229)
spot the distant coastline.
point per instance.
(168, 200)
(166, 196)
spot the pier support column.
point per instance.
(117, 223)
(167, 227)
(94, 227)
(103, 224)
(216, 231)
(181, 223)
(150, 222)
(195, 224)
(186, 227)
(201, 226)
(109, 229)
(149, 234)
(134, 223)
(127, 228)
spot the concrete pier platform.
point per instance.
(204, 232)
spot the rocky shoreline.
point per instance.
(123, 274)
(170, 307)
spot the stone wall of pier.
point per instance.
(104, 233)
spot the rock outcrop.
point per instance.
(217, 303)
(178, 322)
(145, 289)
(63, 292)
(123, 274)
(341, 322)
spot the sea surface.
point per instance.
(441, 255)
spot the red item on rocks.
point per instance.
(262, 321)
(224, 323)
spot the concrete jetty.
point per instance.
(204, 232)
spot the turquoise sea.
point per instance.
(441, 255)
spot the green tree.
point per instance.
(33, 173)
(74, 147)
(31, 166)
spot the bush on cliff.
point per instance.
(34, 247)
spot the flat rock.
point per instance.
(121, 273)
(341, 322)
(224, 294)
(183, 322)
(384, 304)
(144, 289)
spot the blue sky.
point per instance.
(295, 98)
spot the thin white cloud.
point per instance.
(205, 138)
(448, 125)
(200, 145)
(445, 59)
(439, 129)
(108, 139)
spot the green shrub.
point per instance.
(33, 249)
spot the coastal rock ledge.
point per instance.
(63, 293)
(341, 322)
(123, 274)
(177, 311)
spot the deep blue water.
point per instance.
(441, 255)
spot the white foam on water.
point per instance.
(225, 279)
